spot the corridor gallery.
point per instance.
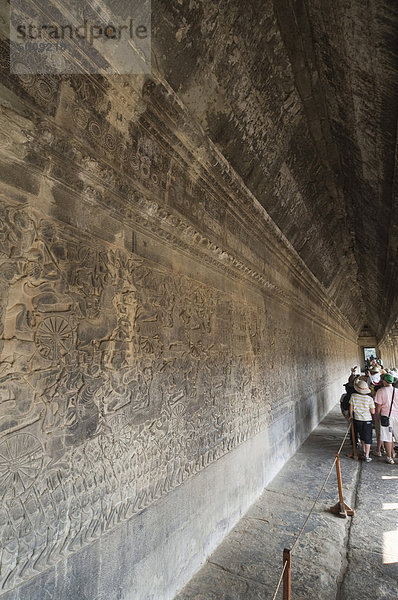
(198, 239)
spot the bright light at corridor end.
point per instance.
(390, 547)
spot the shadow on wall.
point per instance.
(313, 407)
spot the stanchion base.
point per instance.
(342, 509)
(354, 456)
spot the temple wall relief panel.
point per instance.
(152, 316)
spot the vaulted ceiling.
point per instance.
(301, 97)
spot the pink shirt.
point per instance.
(384, 397)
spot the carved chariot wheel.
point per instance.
(118, 442)
(54, 337)
(21, 460)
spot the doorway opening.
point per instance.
(369, 354)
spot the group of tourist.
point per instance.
(371, 401)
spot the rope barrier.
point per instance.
(344, 439)
(313, 506)
(311, 510)
(280, 581)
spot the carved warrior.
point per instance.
(118, 380)
(106, 400)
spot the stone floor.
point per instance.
(335, 559)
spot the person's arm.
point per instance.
(378, 404)
(351, 410)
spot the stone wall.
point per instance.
(389, 349)
(251, 75)
(164, 349)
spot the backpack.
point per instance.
(345, 401)
(345, 398)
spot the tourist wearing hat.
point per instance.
(374, 376)
(362, 408)
(394, 373)
(387, 405)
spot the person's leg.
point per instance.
(386, 437)
(357, 432)
(394, 425)
(362, 428)
(389, 449)
(367, 439)
(379, 445)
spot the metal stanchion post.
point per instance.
(286, 574)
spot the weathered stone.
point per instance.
(178, 296)
(337, 558)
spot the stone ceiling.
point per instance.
(302, 100)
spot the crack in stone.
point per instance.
(282, 493)
(381, 553)
(346, 560)
(258, 519)
(245, 578)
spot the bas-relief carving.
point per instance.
(117, 381)
(144, 155)
(110, 167)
